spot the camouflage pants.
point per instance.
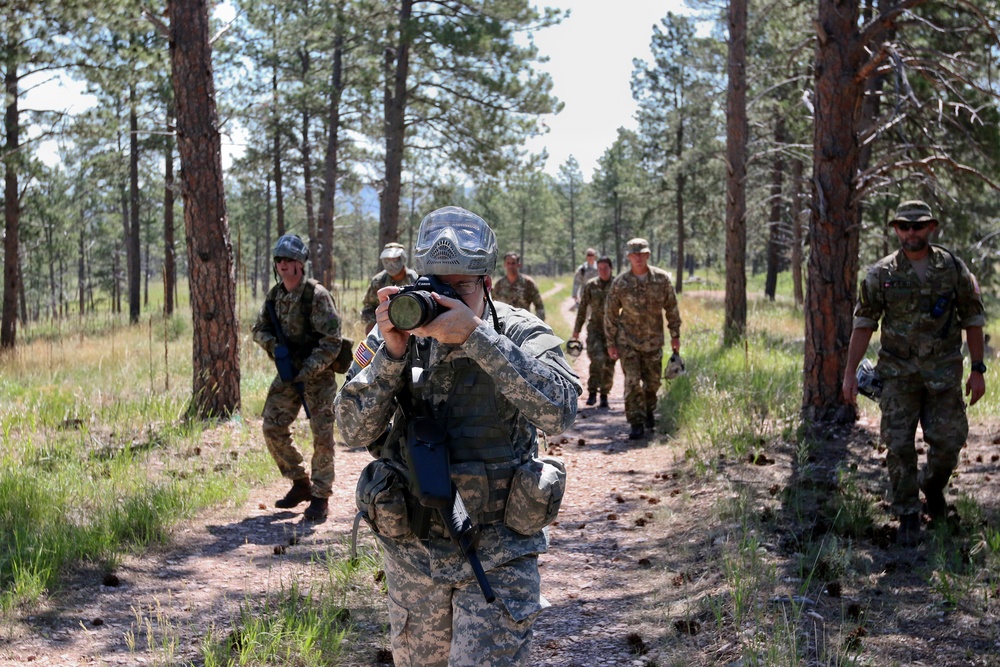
(602, 367)
(281, 408)
(942, 416)
(642, 380)
(443, 624)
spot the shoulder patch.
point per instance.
(363, 354)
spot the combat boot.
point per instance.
(936, 506)
(604, 401)
(650, 419)
(299, 493)
(318, 509)
(636, 432)
(908, 534)
(592, 398)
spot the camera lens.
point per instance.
(412, 309)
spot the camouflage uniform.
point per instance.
(920, 363)
(584, 274)
(378, 281)
(313, 350)
(634, 324)
(522, 293)
(490, 394)
(602, 367)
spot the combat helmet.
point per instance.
(675, 367)
(291, 246)
(574, 347)
(453, 240)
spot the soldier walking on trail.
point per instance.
(924, 297)
(583, 274)
(310, 325)
(633, 327)
(592, 299)
(468, 391)
(395, 272)
(517, 289)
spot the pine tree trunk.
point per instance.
(736, 152)
(397, 68)
(833, 257)
(216, 384)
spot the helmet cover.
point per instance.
(453, 240)
(291, 246)
(675, 367)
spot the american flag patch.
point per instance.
(363, 354)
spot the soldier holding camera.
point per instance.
(924, 297)
(452, 380)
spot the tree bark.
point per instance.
(169, 249)
(11, 208)
(776, 239)
(397, 71)
(215, 349)
(323, 262)
(680, 182)
(279, 195)
(736, 152)
(833, 257)
(132, 237)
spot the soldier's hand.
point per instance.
(849, 390)
(975, 387)
(395, 339)
(452, 327)
(675, 344)
(613, 352)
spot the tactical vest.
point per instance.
(472, 413)
(301, 346)
(920, 320)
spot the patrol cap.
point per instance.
(291, 246)
(913, 210)
(393, 251)
(637, 246)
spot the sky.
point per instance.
(590, 60)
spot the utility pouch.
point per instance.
(381, 498)
(344, 358)
(427, 455)
(536, 493)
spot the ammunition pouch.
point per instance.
(381, 496)
(536, 493)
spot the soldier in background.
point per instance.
(924, 297)
(395, 272)
(633, 327)
(311, 325)
(584, 273)
(517, 289)
(491, 376)
(592, 299)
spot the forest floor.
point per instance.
(632, 570)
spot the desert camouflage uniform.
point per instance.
(282, 404)
(920, 363)
(378, 281)
(584, 274)
(633, 322)
(602, 367)
(498, 388)
(522, 293)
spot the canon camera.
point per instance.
(413, 306)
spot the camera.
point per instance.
(413, 306)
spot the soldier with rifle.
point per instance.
(448, 392)
(299, 328)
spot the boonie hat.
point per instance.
(637, 245)
(913, 210)
(393, 251)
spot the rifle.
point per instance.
(283, 358)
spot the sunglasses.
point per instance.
(907, 226)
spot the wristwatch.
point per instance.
(979, 366)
